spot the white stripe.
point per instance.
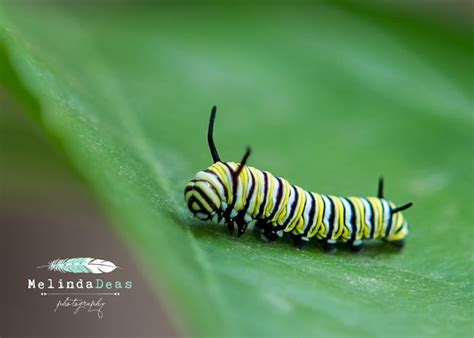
(291, 199)
(307, 207)
(276, 186)
(348, 210)
(238, 203)
(386, 208)
(213, 181)
(368, 214)
(258, 178)
(265, 199)
(316, 210)
(327, 206)
(250, 181)
(281, 186)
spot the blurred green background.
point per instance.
(330, 95)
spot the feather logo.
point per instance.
(80, 265)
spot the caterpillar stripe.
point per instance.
(240, 196)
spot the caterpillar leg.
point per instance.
(241, 228)
(356, 245)
(230, 226)
(328, 245)
(398, 244)
(269, 235)
(297, 241)
(241, 225)
(269, 232)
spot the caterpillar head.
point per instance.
(202, 199)
(204, 196)
(400, 224)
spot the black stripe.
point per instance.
(362, 218)
(249, 197)
(292, 207)
(232, 178)
(352, 220)
(214, 189)
(278, 199)
(332, 216)
(227, 211)
(372, 218)
(226, 192)
(344, 216)
(302, 213)
(323, 211)
(383, 215)
(399, 229)
(206, 198)
(209, 184)
(265, 197)
(312, 212)
(198, 202)
(389, 225)
(190, 202)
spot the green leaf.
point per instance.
(329, 96)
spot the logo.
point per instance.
(80, 294)
(80, 265)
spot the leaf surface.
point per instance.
(329, 97)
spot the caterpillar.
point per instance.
(240, 196)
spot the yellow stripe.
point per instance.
(395, 223)
(394, 217)
(206, 189)
(299, 229)
(399, 223)
(269, 207)
(302, 199)
(401, 219)
(338, 217)
(377, 222)
(258, 187)
(300, 224)
(242, 181)
(202, 175)
(188, 195)
(360, 216)
(281, 213)
(346, 232)
(383, 226)
(382, 223)
(203, 202)
(224, 174)
(319, 216)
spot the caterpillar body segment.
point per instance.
(241, 196)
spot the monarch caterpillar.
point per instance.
(238, 195)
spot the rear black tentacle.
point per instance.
(403, 207)
(380, 189)
(243, 162)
